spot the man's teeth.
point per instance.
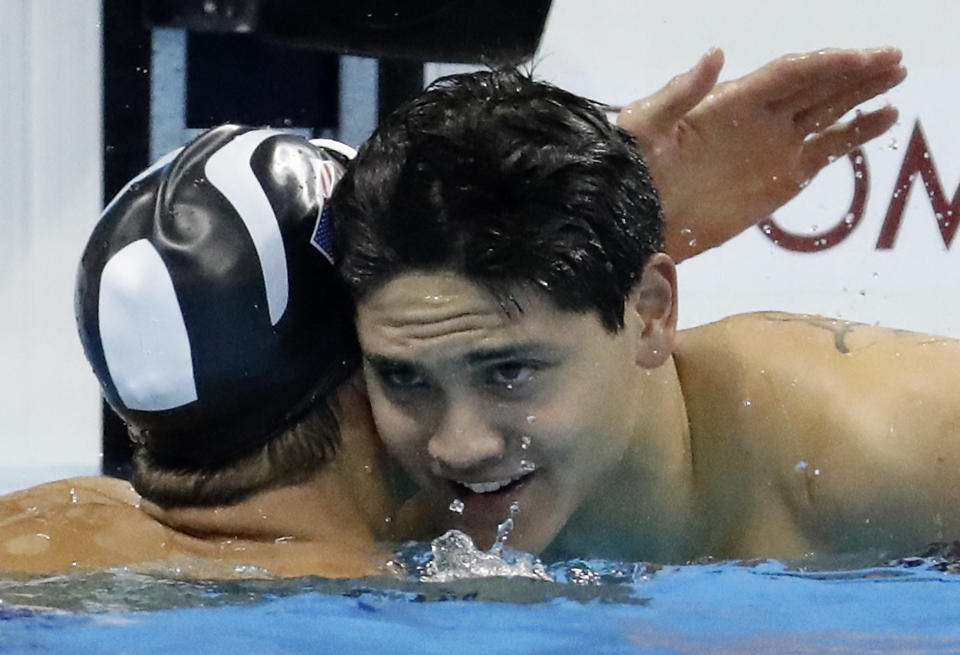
(487, 487)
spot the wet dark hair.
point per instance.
(508, 181)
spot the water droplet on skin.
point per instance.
(816, 471)
(747, 402)
(525, 440)
(456, 506)
(692, 243)
(527, 466)
(514, 507)
(801, 465)
(858, 159)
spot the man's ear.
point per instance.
(651, 311)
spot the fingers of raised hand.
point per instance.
(824, 111)
(837, 140)
(679, 96)
(685, 91)
(793, 82)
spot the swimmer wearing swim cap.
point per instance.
(210, 311)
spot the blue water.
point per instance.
(710, 608)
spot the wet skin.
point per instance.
(334, 524)
(763, 435)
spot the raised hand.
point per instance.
(725, 156)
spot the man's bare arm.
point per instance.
(725, 156)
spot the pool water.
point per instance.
(911, 606)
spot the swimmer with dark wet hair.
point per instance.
(517, 315)
(208, 307)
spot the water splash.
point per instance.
(455, 557)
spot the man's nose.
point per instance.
(464, 440)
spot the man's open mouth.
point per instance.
(494, 486)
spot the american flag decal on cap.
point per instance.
(328, 173)
(322, 238)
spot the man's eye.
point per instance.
(512, 374)
(402, 377)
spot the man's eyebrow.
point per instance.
(472, 358)
(484, 356)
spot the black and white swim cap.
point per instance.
(207, 300)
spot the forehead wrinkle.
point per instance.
(427, 325)
(422, 310)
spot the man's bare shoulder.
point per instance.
(857, 426)
(762, 332)
(808, 363)
(89, 522)
(70, 491)
(97, 523)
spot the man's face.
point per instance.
(487, 410)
